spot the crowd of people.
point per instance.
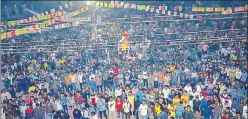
(183, 81)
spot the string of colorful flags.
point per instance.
(177, 11)
(61, 16)
(43, 25)
(39, 17)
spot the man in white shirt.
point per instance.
(118, 91)
(188, 88)
(111, 108)
(92, 77)
(143, 109)
(85, 113)
(166, 92)
(194, 94)
(245, 112)
(199, 88)
(145, 77)
(80, 79)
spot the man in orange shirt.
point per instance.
(160, 76)
(67, 82)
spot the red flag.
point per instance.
(176, 8)
(162, 8)
(116, 5)
(52, 21)
(130, 5)
(11, 34)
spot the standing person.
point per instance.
(130, 99)
(143, 109)
(157, 110)
(119, 107)
(49, 108)
(85, 114)
(188, 114)
(111, 107)
(39, 112)
(77, 114)
(79, 101)
(80, 79)
(102, 107)
(126, 108)
(196, 104)
(164, 114)
(145, 79)
(217, 111)
(136, 108)
(207, 112)
(118, 91)
(63, 101)
(99, 82)
(179, 110)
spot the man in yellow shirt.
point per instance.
(176, 100)
(157, 109)
(130, 99)
(184, 98)
(172, 109)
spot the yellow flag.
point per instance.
(143, 7)
(3, 36)
(110, 5)
(59, 13)
(101, 4)
(194, 9)
(18, 32)
(105, 4)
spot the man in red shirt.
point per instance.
(119, 106)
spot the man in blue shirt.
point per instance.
(63, 101)
(179, 110)
(164, 114)
(140, 95)
(207, 112)
(244, 78)
(101, 107)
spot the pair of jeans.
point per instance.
(144, 117)
(145, 82)
(136, 114)
(119, 113)
(49, 115)
(101, 113)
(155, 84)
(160, 84)
(99, 88)
(73, 86)
(127, 115)
(65, 109)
